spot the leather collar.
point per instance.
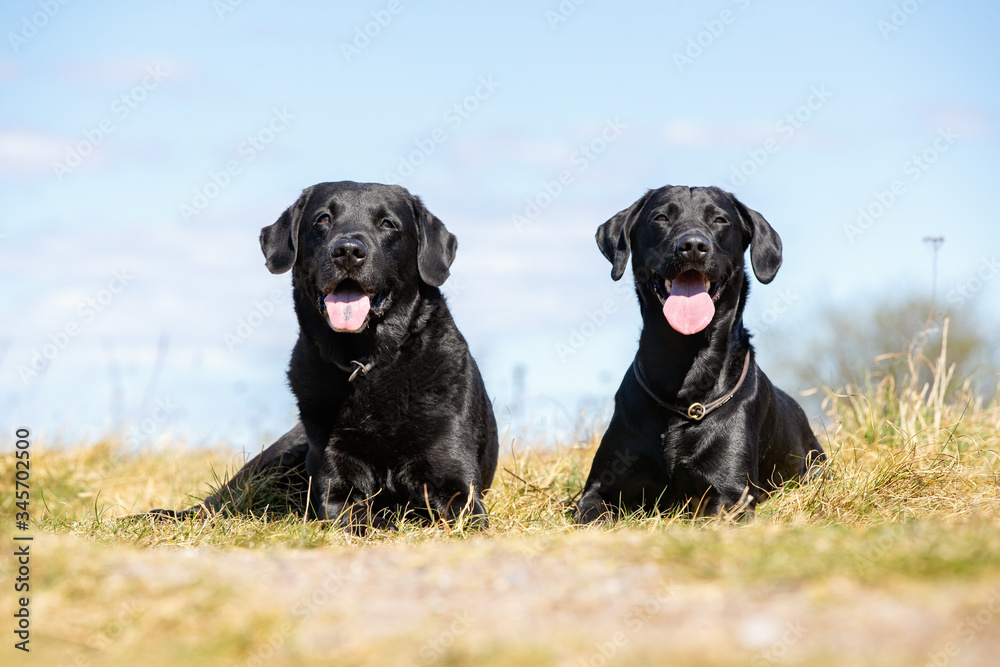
(695, 411)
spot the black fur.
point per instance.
(651, 458)
(416, 433)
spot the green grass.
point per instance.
(904, 521)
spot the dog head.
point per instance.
(687, 247)
(357, 249)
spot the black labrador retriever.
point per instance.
(697, 424)
(394, 414)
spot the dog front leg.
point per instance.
(451, 500)
(327, 502)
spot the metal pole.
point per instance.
(935, 242)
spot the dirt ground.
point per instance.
(572, 601)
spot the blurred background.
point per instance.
(142, 148)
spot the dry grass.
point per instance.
(906, 513)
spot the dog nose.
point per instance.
(349, 252)
(694, 247)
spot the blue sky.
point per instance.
(143, 148)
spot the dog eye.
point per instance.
(325, 219)
(387, 224)
(660, 218)
(720, 220)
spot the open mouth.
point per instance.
(350, 307)
(662, 287)
(688, 300)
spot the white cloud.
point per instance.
(968, 121)
(23, 153)
(701, 135)
(122, 71)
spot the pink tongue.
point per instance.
(347, 309)
(689, 308)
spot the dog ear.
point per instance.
(280, 241)
(436, 246)
(613, 236)
(765, 244)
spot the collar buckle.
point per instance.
(696, 412)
